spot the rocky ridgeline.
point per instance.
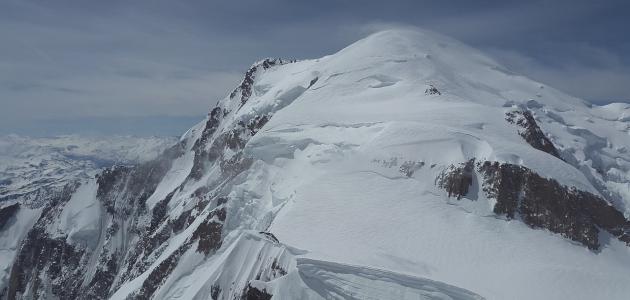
(531, 132)
(46, 263)
(158, 230)
(456, 180)
(239, 135)
(48, 266)
(245, 88)
(7, 213)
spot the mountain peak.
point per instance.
(403, 159)
(404, 39)
(467, 73)
(411, 42)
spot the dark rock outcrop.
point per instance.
(202, 155)
(157, 277)
(215, 291)
(539, 202)
(40, 251)
(504, 183)
(234, 139)
(432, 90)
(270, 236)
(208, 238)
(245, 88)
(211, 126)
(313, 81)
(49, 266)
(136, 233)
(531, 132)
(7, 213)
(104, 277)
(253, 293)
(544, 203)
(208, 233)
(138, 182)
(456, 180)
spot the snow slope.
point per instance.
(321, 179)
(332, 160)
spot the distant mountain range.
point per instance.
(32, 169)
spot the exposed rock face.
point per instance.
(210, 218)
(539, 202)
(46, 264)
(544, 203)
(208, 233)
(531, 132)
(104, 276)
(50, 266)
(212, 124)
(245, 88)
(432, 90)
(504, 182)
(456, 180)
(45, 259)
(7, 212)
(138, 182)
(253, 293)
(159, 274)
(240, 134)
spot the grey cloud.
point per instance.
(601, 79)
(75, 59)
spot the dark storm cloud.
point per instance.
(63, 60)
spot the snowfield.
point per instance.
(320, 179)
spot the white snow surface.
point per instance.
(326, 180)
(76, 221)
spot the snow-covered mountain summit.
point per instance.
(405, 166)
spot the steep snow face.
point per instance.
(76, 221)
(405, 166)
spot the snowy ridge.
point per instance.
(254, 261)
(405, 166)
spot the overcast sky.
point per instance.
(155, 67)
